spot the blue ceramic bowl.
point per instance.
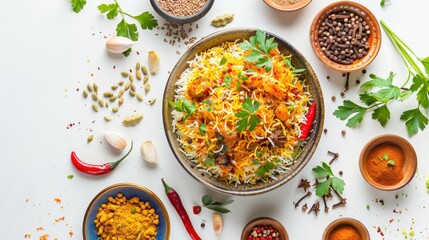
(129, 191)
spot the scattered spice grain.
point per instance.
(343, 132)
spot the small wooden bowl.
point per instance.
(410, 164)
(181, 19)
(374, 40)
(287, 8)
(361, 229)
(264, 221)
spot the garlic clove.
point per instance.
(217, 223)
(148, 152)
(119, 44)
(115, 140)
(153, 59)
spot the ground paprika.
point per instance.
(345, 232)
(385, 163)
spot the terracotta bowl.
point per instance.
(264, 221)
(410, 164)
(181, 19)
(374, 40)
(360, 228)
(288, 7)
(216, 39)
(129, 190)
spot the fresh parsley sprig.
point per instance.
(183, 106)
(378, 93)
(78, 5)
(125, 29)
(260, 48)
(322, 188)
(248, 118)
(264, 169)
(219, 207)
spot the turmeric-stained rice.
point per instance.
(125, 219)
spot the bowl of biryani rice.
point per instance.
(243, 111)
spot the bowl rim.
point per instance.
(125, 184)
(261, 220)
(395, 139)
(320, 115)
(288, 8)
(360, 227)
(182, 19)
(360, 64)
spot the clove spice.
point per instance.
(315, 208)
(306, 195)
(335, 156)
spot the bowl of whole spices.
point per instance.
(346, 228)
(182, 11)
(388, 162)
(264, 228)
(345, 36)
(287, 5)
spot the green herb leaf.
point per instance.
(209, 161)
(70, 176)
(111, 9)
(134, 210)
(425, 63)
(367, 98)
(382, 3)
(184, 106)
(325, 171)
(78, 5)
(382, 115)
(227, 80)
(248, 118)
(146, 20)
(261, 47)
(421, 85)
(127, 30)
(289, 64)
(207, 199)
(322, 189)
(414, 120)
(251, 106)
(337, 184)
(223, 61)
(391, 162)
(349, 108)
(377, 82)
(256, 162)
(202, 128)
(253, 122)
(264, 169)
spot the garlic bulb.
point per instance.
(115, 140)
(153, 60)
(148, 152)
(119, 44)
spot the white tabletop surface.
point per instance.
(48, 54)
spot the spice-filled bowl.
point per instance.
(263, 228)
(135, 209)
(346, 228)
(182, 11)
(388, 162)
(234, 143)
(287, 5)
(345, 36)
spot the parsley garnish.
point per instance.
(288, 62)
(209, 161)
(264, 169)
(260, 48)
(248, 118)
(223, 61)
(134, 210)
(125, 29)
(209, 203)
(378, 93)
(184, 106)
(78, 5)
(202, 128)
(227, 80)
(385, 157)
(70, 176)
(322, 188)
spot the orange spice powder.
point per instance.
(345, 232)
(385, 163)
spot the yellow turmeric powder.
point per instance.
(122, 218)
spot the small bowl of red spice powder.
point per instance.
(346, 229)
(182, 11)
(388, 162)
(264, 228)
(287, 5)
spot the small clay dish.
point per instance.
(170, 15)
(350, 225)
(287, 7)
(264, 221)
(374, 39)
(380, 163)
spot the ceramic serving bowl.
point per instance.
(298, 61)
(374, 39)
(169, 16)
(287, 7)
(264, 221)
(128, 190)
(409, 166)
(347, 223)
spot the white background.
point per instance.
(47, 52)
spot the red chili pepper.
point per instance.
(305, 128)
(174, 198)
(96, 169)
